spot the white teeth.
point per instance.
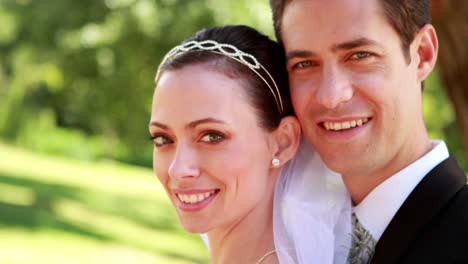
(344, 125)
(194, 198)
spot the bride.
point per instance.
(223, 128)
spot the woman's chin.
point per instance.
(195, 228)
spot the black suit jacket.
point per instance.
(432, 224)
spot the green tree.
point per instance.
(88, 66)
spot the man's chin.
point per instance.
(339, 162)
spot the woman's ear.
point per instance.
(286, 140)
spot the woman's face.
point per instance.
(210, 153)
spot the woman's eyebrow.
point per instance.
(190, 125)
(195, 123)
(158, 124)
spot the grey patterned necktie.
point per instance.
(362, 245)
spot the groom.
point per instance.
(356, 70)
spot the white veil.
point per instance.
(312, 212)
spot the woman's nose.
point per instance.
(184, 164)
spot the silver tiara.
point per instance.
(228, 51)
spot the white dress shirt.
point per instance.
(379, 207)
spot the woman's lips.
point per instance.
(194, 197)
(192, 200)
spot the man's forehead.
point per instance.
(329, 3)
(304, 24)
(325, 12)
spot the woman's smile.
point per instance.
(195, 200)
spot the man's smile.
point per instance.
(336, 126)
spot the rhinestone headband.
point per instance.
(228, 51)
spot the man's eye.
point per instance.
(303, 64)
(212, 137)
(360, 55)
(160, 140)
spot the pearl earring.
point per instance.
(275, 162)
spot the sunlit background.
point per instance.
(76, 81)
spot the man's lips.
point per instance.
(343, 125)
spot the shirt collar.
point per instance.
(379, 207)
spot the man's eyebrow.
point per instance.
(195, 123)
(355, 44)
(299, 54)
(359, 42)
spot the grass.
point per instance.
(57, 210)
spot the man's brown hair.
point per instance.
(407, 17)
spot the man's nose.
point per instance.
(184, 164)
(334, 88)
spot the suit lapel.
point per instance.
(434, 190)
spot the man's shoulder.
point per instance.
(456, 210)
(444, 237)
(432, 224)
(447, 181)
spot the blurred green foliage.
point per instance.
(61, 210)
(76, 77)
(440, 118)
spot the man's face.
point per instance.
(355, 94)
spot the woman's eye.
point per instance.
(360, 55)
(212, 137)
(160, 140)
